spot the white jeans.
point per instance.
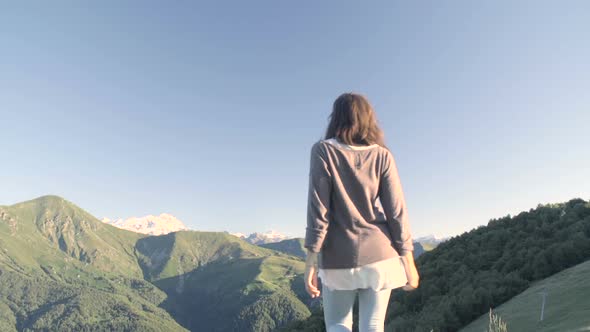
(338, 309)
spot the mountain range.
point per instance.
(262, 238)
(62, 269)
(166, 223)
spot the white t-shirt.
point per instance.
(385, 274)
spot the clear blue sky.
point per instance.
(208, 112)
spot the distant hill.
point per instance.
(418, 249)
(151, 225)
(290, 246)
(465, 276)
(430, 242)
(295, 247)
(567, 305)
(61, 268)
(426, 243)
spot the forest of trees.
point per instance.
(469, 274)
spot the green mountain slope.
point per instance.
(466, 275)
(32, 231)
(567, 305)
(62, 269)
(289, 246)
(236, 285)
(36, 303)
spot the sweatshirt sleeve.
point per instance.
(318, 202)
(394, 206)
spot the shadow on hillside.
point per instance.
(153, 253)
(205, 297)
(221, 290)
(418, 249)
(36, 314)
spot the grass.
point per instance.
(567, 305)
(496, 324)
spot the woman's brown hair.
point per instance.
(354, 122)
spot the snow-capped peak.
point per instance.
(260, 238)
(153, 225)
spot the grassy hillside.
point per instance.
(62, 269)
(33, 231)
(289, 246)
(567, 305)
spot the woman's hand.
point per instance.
(411, 272)
(311, 276)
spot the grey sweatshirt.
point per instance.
(356, 212)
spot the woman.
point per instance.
(357, 236)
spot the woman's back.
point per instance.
(346, 220)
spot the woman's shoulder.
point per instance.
(319, 144)
(325, 147)
(335, 143)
